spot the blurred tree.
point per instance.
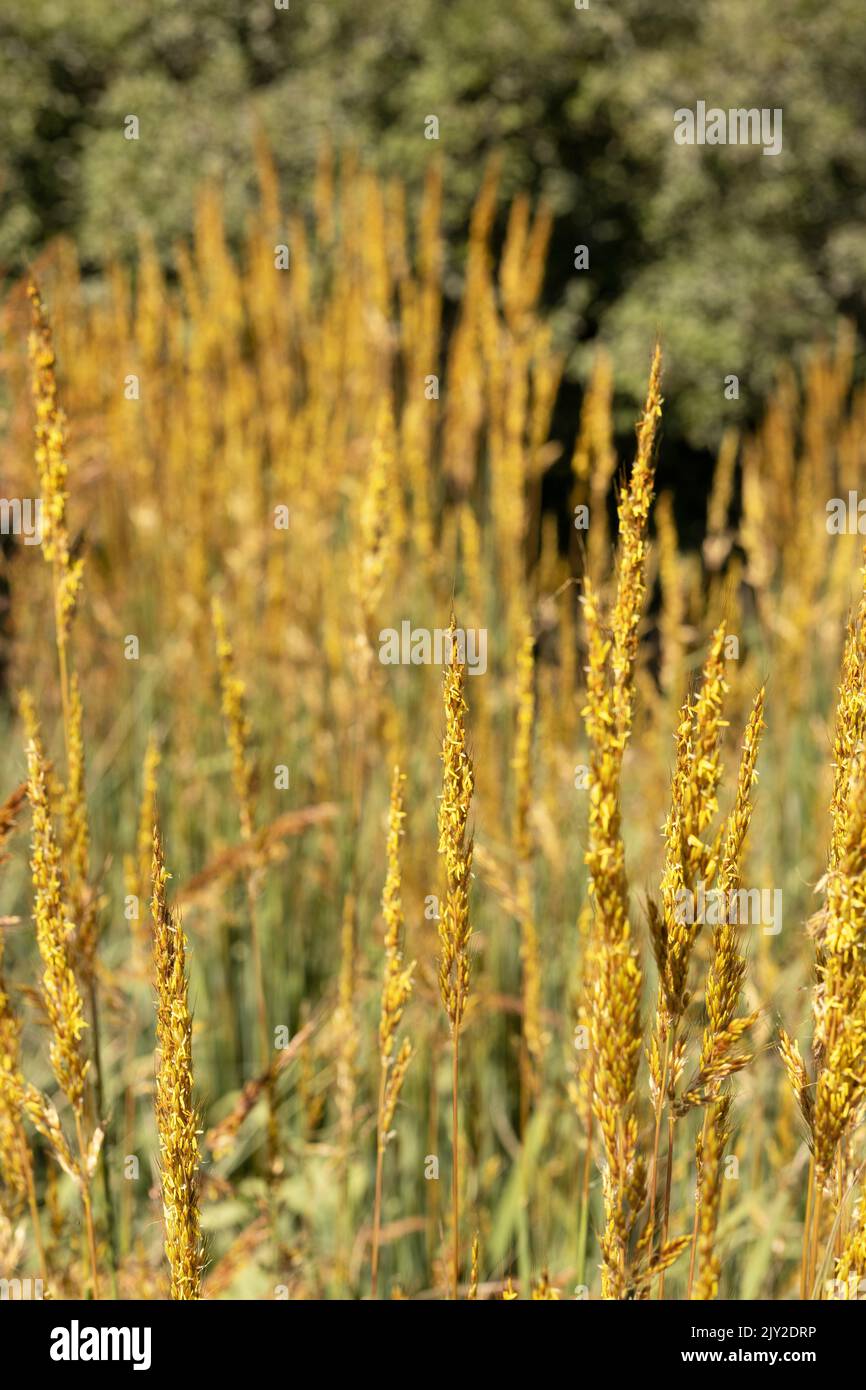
(736, 258)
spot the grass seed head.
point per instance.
(176, 1119)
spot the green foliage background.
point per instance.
(738, 259)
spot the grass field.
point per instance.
(332, 970)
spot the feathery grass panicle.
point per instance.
(850, 730)
(396, 991)
(397, 986)
(635, 501)
(52, 468)
(701, 793)
(832, 1103)
(61, 995)
(709, 1200)
(14, 1156)
(798, 1076)
(839, 1007)
(13, 1150)
(63, 1002)
(396, 1076)
(76, 842)
(615, 1028)
(137, 879)
(741, 816)
(16, 1100)
(458, 782)
(67, 572)
(718, 1061)
(728, 966)
(50, 427)
(616, 1032)
(689, 862)
(76, 839)
(176, 1118)
(455, 929)
(839, 1042)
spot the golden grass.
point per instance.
(312, 460)
(455, 928)
(176, 1119)
(396, 992)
